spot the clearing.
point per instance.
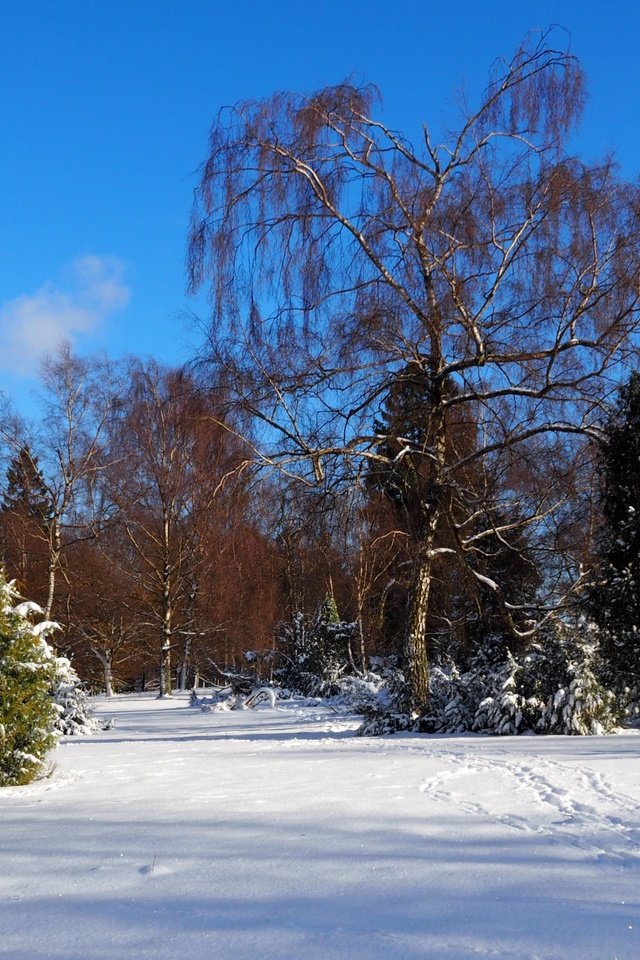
(274, 833)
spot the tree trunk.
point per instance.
(361, 648)
(55, 550)
(415, 646)
(416, 652)
(184, 668)
(166, 686)
(104, 659)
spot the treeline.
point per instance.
(135, 516)
(125, 513)
(134, 513)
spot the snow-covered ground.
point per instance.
(274, 833)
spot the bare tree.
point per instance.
(337, 254)
(79, 398)
(150, 487)
(168, 454)
(103, 621)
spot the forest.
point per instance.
(405, 463)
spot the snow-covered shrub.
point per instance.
(380, 723)
(451, 704)
(295, 645)
(624, 684)
(314, 652)
(71, 702)
(359, 693)
(27, 671)
(387, 713)
(553, 688)
(628, 699)
(217, 699)
(562, 672)
(504, 710)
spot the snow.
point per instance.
(26, 607)
(274, 833)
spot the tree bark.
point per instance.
(184, 667)
(108, 679)
(55, 551)
(105, 660)
(415, 646)
(166, 687)
(416, 650)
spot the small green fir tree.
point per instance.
(27, 712)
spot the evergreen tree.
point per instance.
(463, 611)
(404, 472)
(26, 491)
(615, 600)
(71, 702)
(315, 650)
(401, 489)
(27, 712)
(328, 612)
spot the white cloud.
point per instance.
(91, 289)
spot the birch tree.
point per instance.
(66, 451)
(336, 254)
(166, 451)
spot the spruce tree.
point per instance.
(26, 491)
(403, 472)
(315, 650)
(27, 712)
(615, 600)
(463, 612)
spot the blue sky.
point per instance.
(105, 107)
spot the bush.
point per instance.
(385, 710)
(27, 672)
(74, 716)
(553, 688)
(563, 672)
(314, 652)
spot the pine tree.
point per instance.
(27, 712)
(615, 600)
